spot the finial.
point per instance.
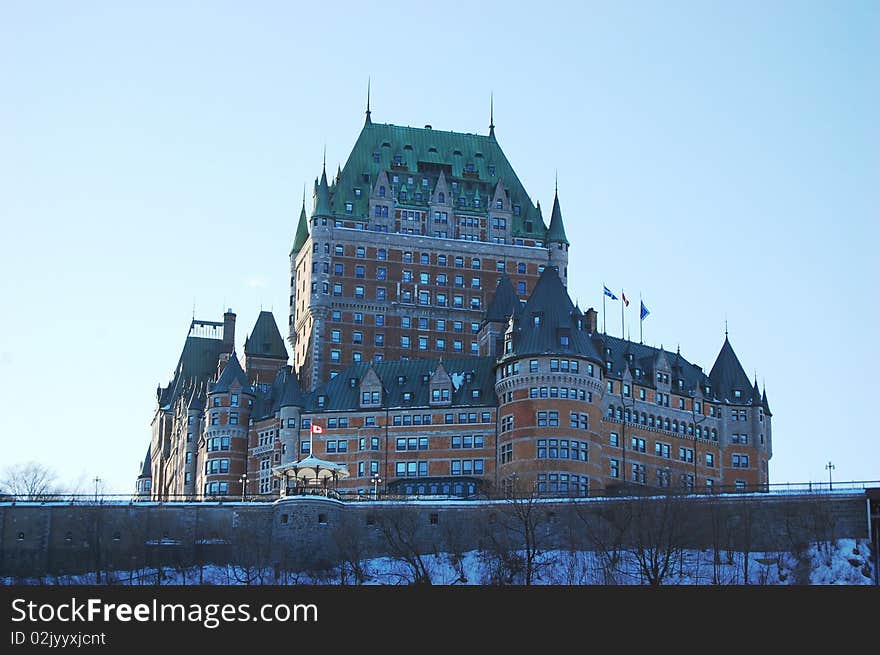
(556, 181)
(304, 195)
(369, 120)
(491, 114)
(725, 328)
(325, 158)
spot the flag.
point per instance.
(625, 301)
(609, 294)
(317, 429)
(644, 313)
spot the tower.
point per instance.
(557, 243)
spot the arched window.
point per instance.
(666, 424)
(381, 192)
(441, 197)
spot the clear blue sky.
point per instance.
(723, 159)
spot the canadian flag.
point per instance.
(317, 429)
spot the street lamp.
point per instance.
(243, 480)
(830, 468)
(96, 481)
(376, 480)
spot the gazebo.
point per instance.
(310, 475)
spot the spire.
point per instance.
(302, 228)
(368, 121)
(765, 403)
(491, 115)
(727, 376)
(322, 207)
(556, 231)
(504, 301)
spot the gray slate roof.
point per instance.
(231, 372)
(476, 373)
(265, 339)
(548, 315)
(147, 466)
(505, 302)
(197, 364)
(727, 374)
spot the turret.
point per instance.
(557, 243)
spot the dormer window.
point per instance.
(407, 396)
(233, 400)
(352, 382)
(440, 395)
(469, 167)
(441, 197)
(381, 191)
(403, 194)
(322, 401)
(499, 204)
(376, 157)
(348, 207)
(476, 202)
(536, 319)
(564, 340)
(401, 380)
(737, 394)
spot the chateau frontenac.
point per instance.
(432, 348)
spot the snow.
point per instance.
(457, 379)
(843, 562)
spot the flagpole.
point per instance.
(604, 324)
(622, 303)
(641, 340)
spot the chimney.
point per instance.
(228, 331)
(592, 320)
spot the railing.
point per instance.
(620, 490)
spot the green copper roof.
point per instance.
(322, 204)
(475, 162)
(556, 231)
(302, 231)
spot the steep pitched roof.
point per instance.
(645, 358)
(265, 339)
(291, 393)
(504, 302)
(556, 231)
(147, 466)
(302, 230)
(231, 372)
(727, 375)
(547, 318)
(322, 198)
(197, 364)
(475, 162)
(411, 377)
(766, 403)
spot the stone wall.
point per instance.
(311, 533)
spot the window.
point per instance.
(638, 473)
(615, 468)
(661, 449)
(614, 439)
(710, 460)
(361, 252)
(638, 444)
(740, 461)
(686, 454)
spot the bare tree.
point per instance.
(401, 529)
(30, 481)
(251, 548)
(658, 535)
(514, 542)
(351, 550)
(607, 532)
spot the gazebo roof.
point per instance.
(313, 468)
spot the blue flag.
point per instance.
(609, 294)
(644, 313)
